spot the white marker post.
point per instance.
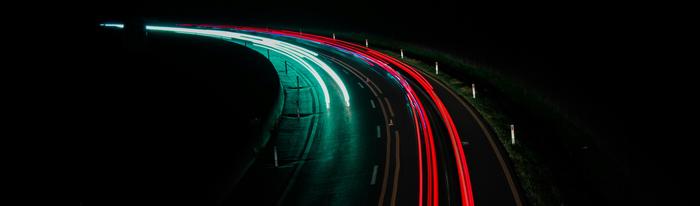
(473, 91)
(436, 68)
(333, 35)
(402, 53)
(276, 163)
(366, 43)
(512, 134)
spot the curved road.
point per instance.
(394, 139)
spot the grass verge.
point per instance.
(531, 176)
(556, 160)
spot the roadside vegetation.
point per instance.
(531, 176)
(552, 144)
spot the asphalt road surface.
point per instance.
(377, 149)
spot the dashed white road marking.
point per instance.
(391, 111)
(374, 175)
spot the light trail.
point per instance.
(121, 26)
(380, 59)
(418, 111)
(291, 51)
(372, 58)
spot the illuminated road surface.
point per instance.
(365, 150)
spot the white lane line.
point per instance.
(378, 89)
(373, 92)
(374, 175)
(379, 132)
(360, 85)
(276, 162)
(373, 106)
(391, 111)
(358, 74)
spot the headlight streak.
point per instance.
(418, 112)
(121, 26)
(371, 57)
(291, 51)
(379, 58)
(305, 65)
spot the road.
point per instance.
(387, 134)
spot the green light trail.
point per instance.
(293, 52)
(300, 55)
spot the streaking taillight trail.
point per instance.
(371, 57)
(381, 60)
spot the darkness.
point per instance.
(599, 59)
(159, 117)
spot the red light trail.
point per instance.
(378, 58)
